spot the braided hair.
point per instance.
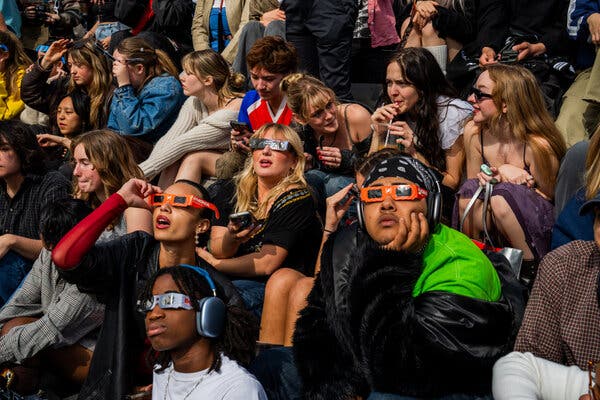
(238, 340)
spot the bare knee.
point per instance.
(282, 281)
(300, 292)
(500, 208)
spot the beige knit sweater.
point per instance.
(193, 130)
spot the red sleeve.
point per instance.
(72, 247)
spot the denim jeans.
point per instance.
(106, 29)
(327, 184)
(13, 269)
(252, 293)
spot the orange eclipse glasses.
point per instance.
(177, 200)
(373, 194)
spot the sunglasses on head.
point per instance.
(274, 144)
(479, 95)
(188, 200)
(372, 194)
(166, 301)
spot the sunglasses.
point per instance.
(479, 95)
(3, 47)
(374, 194)
(166, 301)
(188, 200)
(277, 145)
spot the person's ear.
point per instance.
(208, 81)
(139, 69)
(203, 226)
(504, 108)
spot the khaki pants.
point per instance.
(580, 112)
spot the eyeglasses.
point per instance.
(374, 194)
(188, 200)
(321, 113)
(479, 95)
(274, 144)
(166, 301)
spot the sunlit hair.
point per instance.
(273, 54)
(99, 88)
(247, 181)
(529, 122)
(156, 62)
(303, 92)
(238, 340)
(592, 166)
(205, 63)
(17, 59)
(420, 69)
(111, 157)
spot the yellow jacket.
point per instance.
(11, 104)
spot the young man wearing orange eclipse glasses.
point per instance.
(417, 297)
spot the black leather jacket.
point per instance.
(363, 330)
(116, 272)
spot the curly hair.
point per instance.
(22, 139)
(238, 340)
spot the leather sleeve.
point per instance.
(327, 369)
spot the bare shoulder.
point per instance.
(234, 104)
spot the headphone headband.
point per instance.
(204, 274)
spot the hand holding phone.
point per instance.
(242, 220)
(241, 127)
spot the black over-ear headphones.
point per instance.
(210, 320)
(434, 198)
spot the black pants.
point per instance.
(327, 60)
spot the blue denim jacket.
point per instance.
(150, 114)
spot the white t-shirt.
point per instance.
(232, 382)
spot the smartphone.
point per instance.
(240, 126)
(242, 219)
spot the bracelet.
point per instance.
(327, 230)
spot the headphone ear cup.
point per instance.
(435, 210)
(210, 320)
(359, 214)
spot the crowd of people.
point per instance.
(200, 200)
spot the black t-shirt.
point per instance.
(292, 223)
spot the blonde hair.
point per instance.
(111, 157)
(517, 89)
(592, 166)
(247, 181)
(17, 60)
(156, 62)
(303, 92)
(204, 63)
(86, 54)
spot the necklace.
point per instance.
(198, 382)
